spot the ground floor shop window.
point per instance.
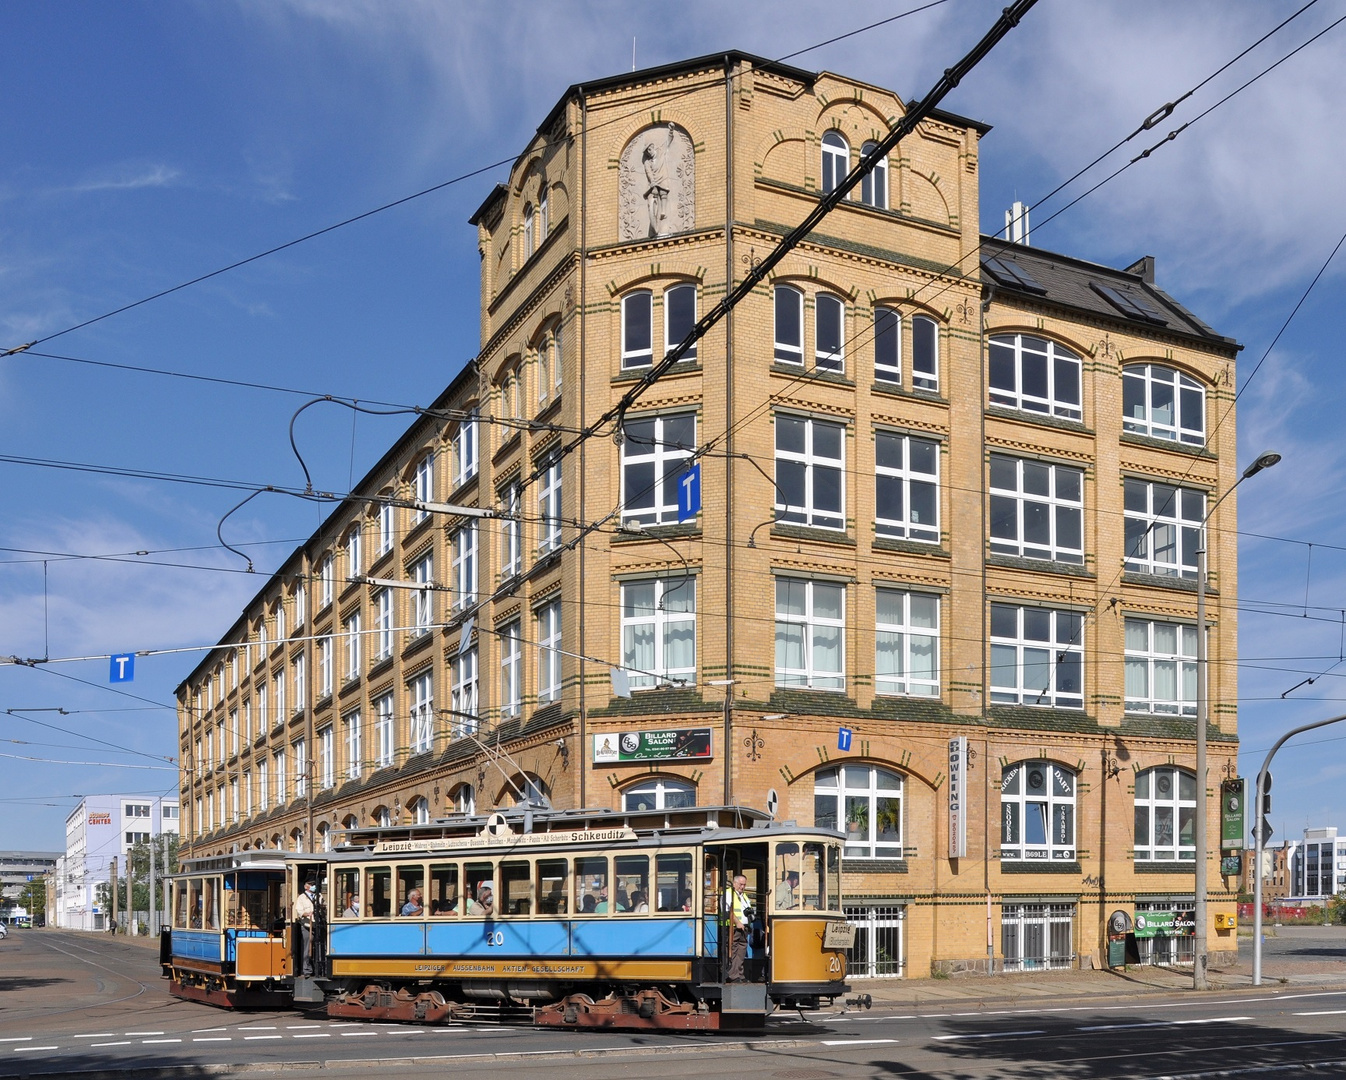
(879, 951)
(1165, 949)
(1037, 936)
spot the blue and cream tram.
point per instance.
(573, 918)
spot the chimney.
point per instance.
(1143, 268)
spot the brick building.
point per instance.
(940, 593)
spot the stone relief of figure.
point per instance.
(656, 183)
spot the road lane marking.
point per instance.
(20, 1049)
(1213, 1020)
(20, 1038)
(348, 1034)
(215, 1038)
(315, 1035)
(258, 1027)
(97, 1035)
(1124, 1027)
(144, 1033)
(300, 1027)
(250, 1038)
(124, 1042)
(202, 1031)
(856, 1042)
(1325, 1012)
(988, 1035)
(150, 1042)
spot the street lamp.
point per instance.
(1263, 461)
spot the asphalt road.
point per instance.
(73, 1003)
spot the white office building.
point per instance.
(1318, 865)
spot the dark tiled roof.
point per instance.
(1115, 295)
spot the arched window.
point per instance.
(511, 394)
(277, 842)
(543, 216)
(924, 353)
(836, 160)
(789, 325)
(887, 345)
(527, 230)
(1163, 403)
(465, 800)
(637, 339)
(418, 809)
(865, 803)
(297, 840)
(679, 317)
(526, 788)
(829, 319)
(874, 186)
(1034, 375)
(659, 794)
(382, 817)
(1165, 815)
(324, 836)
(1037, 812)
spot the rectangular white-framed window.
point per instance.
(300, 605)
(465, 449)
(679, 318)
(422, 691)
(874, 184)
(386, 517)
(246, 721)
(1037, 936)
(350, 725)
(659, 631)
(924, 353)
(887, 345)
(1160, 668)
(383, 625)
(278, 699)
(210, 750)
(423, 596)
(906, 487)
(637, 330)
(464, 703)
(511, 533)
(810, 472)
(423, 486)
(263, 716)
(234, 733)
(220, 742)
(906, 643)
(557, 356)
(354, 558)
(789, 322)
(326, 578)
(325, 666)
(233, 800)
(326, 758)
(1037, 657)
(282, 628)
(246, 791)
(511, 674)
(655, 453)
(829, 334)
(263, 784)
(385, 735)
(1037, 509)
(549, 507)
(1035, 375)
(300, 750)
(1163, 403)
(351, 629)
(810, 634)
(548, 618)
(300, 681)
(281, 779)
(1163, 527)
(233, 670)
(465, 567)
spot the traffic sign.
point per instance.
(689, 493)
(122, 668)
(844, 738)
(1262, 832)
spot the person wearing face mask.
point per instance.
(305, 905)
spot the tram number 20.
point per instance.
(495, 937)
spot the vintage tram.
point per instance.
(567, 918)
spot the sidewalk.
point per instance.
(1019, 988)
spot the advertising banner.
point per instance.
(1232, 825)
(957, 793)
(676, 745)
(1151, 924)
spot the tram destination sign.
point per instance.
(676, 744)
(484, 839)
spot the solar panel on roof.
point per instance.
(1130, 306)
(1011, 274)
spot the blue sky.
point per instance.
(147, 144)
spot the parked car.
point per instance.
(4, 931)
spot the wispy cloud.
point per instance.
(124, 178)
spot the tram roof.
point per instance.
(233, 860)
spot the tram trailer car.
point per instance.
(567, 918)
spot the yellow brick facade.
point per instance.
(737, 147)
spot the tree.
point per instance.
(33, 900)
(136, 866)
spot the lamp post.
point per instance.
(1263, 461)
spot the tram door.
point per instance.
(723, 862)
(297, 874)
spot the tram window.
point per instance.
(591, 885)
(480, 889)
(633, 883)
(411, 890)
(347, 894)
(813, 890)
(674, 882)
(212, 904)
(378, 900)
(516, 888)
(180, 904)
(246, 896)
(443, 890)
(792, 890)
(833, 877)
(194, 904)
(710, 898)
(552, 875)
